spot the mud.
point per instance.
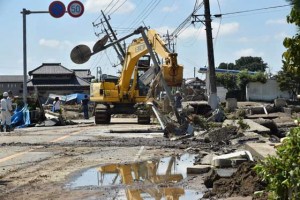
(244, 182)
(90, 147)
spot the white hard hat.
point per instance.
(5, 94)
(177, 92)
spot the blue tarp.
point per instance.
(21, 117)
(76, 96)
(67, 98)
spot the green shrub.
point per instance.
(282, 172)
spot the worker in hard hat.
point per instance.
(6, 109)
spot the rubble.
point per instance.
(244, 182)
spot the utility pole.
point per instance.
(120, 51)
(211, 73)
(213, 98)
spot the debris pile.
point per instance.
(244, 182)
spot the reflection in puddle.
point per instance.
(153, 179)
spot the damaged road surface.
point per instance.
(86, 161)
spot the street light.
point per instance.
(25, 12)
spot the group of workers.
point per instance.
(6, 111)
(84, 104)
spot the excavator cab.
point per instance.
(144, 62)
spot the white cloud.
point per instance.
(60, 44)
(98, 5)
(192, 32)
(248, 52)
(170, 8)
(225, 29)
(164, 29)
(49, 43)
(200, 33)
(276, 21)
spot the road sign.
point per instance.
(57, 9)
(75, 8)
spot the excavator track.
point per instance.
(102, 115)
(143, 115)
(144, 119)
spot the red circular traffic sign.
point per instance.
(75, 8)
(57, 9)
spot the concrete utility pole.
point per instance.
(213, 98)
(211, 73)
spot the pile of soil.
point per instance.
(244, 182)
(223, 135)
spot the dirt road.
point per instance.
(41, 162)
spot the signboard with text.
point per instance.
(75, 8)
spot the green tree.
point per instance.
(291, 57)
(227, 80)
(229, 66)
(289, 77)
(246, 63)
(239, 81)
(289, 81)
(251, 64)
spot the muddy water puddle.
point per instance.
(152, 179)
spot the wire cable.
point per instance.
(220, 22)
(118, 7)
(253, 10)
(115, 4)
(149, 8)
(108, 5)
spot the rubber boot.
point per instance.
(7, 128)
(1, 128)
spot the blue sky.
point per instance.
(50, 39)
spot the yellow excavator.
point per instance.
(120, 97)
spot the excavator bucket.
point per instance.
(173, 75)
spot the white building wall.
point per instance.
(257, 91)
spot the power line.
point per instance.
(143, 15)
(108, 5)
(118, 7)
(215, 40)
(252, 10)
(113, 7)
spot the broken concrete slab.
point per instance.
(206, 160)
(228, 160)
(260, 150)
(263, 109)
(225, 172)
(249, 137)
(198, 169)
(280, 102)
(264, 116)
(231, 104)
(254, 127)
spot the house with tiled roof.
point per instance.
(53, 78)
(84, 74)
(13, 83)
